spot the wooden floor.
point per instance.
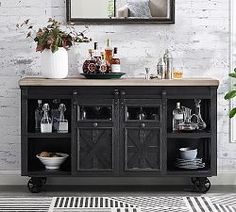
(109, 190)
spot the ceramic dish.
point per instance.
(188, 153)
(53, 163)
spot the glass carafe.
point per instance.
(38, 114)
(46, 121)
(63, 123)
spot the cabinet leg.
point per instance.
(201, 184)
(35, 184)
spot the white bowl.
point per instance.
(188, 153)
(53, 163)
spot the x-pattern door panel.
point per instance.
(95, 149)
(142, 149)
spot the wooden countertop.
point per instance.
(37, 81)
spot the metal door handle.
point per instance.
(143, 125)
(95, 124)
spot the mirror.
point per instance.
(120, 11)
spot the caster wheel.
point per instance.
(201, 184)
(44, 180)
(34, 187)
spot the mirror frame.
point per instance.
(93, 21)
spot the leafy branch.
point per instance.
(52, 36)
(231, 94)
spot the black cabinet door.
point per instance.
(96, 138)
(141, 136)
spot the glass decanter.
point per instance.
(46, 121)
(201, 124)
(63, 123)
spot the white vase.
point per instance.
(54, 65)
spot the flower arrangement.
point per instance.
(52, 36)
(231, 94)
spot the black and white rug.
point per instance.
(203, 203)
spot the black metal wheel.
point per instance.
(35, 184)
(201, 184)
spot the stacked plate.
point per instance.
(190, 164)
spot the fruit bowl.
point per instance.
(52, 162)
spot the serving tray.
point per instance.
(103, 76)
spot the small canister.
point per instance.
(161, 67)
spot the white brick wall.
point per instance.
(199, 40)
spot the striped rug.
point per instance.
(204, 203)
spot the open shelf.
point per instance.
(189, 103)
(53, 104)
(173, 146)
(38, 145)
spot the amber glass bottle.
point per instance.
(108, 52)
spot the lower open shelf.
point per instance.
(55, 145)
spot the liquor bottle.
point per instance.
(38, 113)
(115, 62)
(169, 64)
(108, 52)
(96, 53)
(103, 64)
(89, 65)
(178, 117)
(63, 123)
(46, 121)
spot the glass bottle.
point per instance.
(169, 64)
(201, 124)
(89, 65)
(103, 65)
(108, 52)
(115, 62)
(38, 114)
(178, 117)
(142, 114)
(55, 114)
(63, 123)
(46, 121)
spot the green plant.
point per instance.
(52, 36)
(231, 94)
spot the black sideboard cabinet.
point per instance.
(112, 140)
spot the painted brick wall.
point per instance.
(199, 41)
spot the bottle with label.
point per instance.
(38, 114)
(89, 65)
(96, 53)
(178, 117)
(108, 52)
(46, 121)
(63, 123)
(115, 62)
(103, 65)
